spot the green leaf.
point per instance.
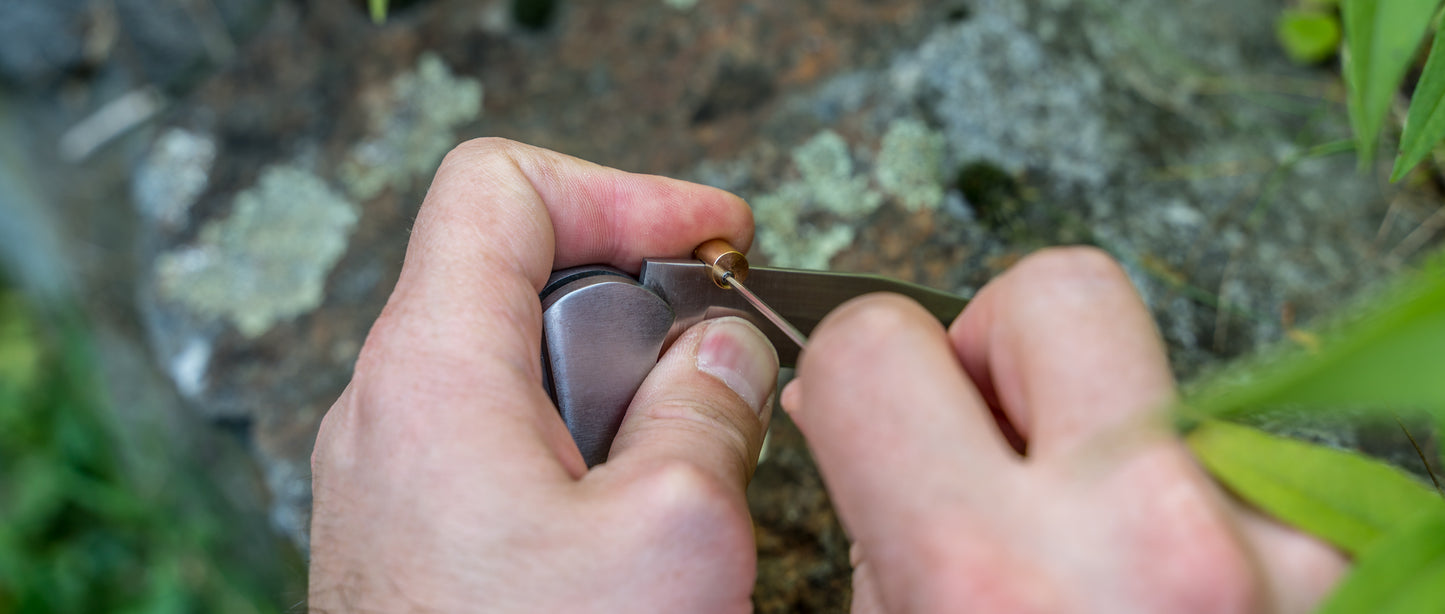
(1425, 125)
(1344, 498)
(1390, 357)
(378, 11)
(1402, 573)
(1380, 39)
(1308, 37)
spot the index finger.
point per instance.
(1065, 346)
(462, 329)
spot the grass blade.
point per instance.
(1344, 498)
(1403, 573)
(1389, 358)
(1425, 125)
(1380, 39)
(378, 11)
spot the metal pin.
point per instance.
(787, 327)
(729, 268)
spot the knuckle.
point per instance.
(681, 489)
(713, 416)
(480, 149)
(976, 573)
(877, 315)
(333, 446)
(476, 158)
(1076, 266)
(865, 324)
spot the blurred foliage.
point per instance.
(78, 532)
(1308, 36)
(1381, 37)
(1401, 574)
(1425, 123)
(1350, 504)
(1385, 358)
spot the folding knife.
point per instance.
(603, 330)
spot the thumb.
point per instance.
(707, 404)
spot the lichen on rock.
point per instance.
(268, 260)
(910, 164)
(412, 126)
(827, 185)
(827, 169)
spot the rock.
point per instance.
(41, 40)
(412, 124)
(267, 260)
(174, 174)
(920, 140)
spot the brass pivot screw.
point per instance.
(726, 261)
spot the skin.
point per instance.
(445, 482)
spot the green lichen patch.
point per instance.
(788, 241)
(910, 165)
(412, 126)
(810, 219)
(268, 260)
(827, 169)
(807, 221)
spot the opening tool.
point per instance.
(604, 329)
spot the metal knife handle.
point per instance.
(602, 333)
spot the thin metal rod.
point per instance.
(788, 329)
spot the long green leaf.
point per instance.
(1392, 357)
(378, 11)
(1380, 37)
(1344, 498)
(1425, 125)
(1403, 573)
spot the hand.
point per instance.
(1105, 512)
(444, 479)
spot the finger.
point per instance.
(1300, 567)
(706, 403)
(899, 433)
(866, 599)
(461, 332)
(1066, 346)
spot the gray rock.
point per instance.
(1136, 126)
(266, 261)
(174, 174)
(41, 39)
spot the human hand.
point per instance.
(444, 479)
(1106, 512)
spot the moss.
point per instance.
(993, 193)
(268, 259)
(412, 126)
(534, 14)
(910, 165)
(97, 518)
(19, 346)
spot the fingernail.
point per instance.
(737, 354)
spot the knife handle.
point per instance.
(602, 333)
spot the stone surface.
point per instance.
(267, 260)
(934, 142)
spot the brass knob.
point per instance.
(724, 259)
